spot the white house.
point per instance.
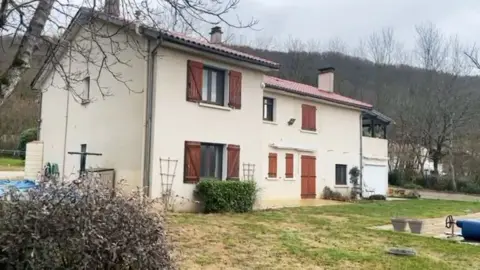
(196, 109)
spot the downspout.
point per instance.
(150, 97)
(66, 113)
(361, 154)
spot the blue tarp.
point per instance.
(22, 185)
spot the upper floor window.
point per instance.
(213, 88)
(85, 95)
(309, 119)
(209, 84)
(268, 109)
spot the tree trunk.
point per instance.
(435, 165)
(22, 60)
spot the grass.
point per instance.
(11, 164)
(328, 237)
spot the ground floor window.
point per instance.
(211, 161)
(340, 174)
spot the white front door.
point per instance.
(375, 180)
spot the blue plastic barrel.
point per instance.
(470, 229)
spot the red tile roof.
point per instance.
(308, 90)
(217, 48)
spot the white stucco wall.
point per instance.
(112, 125)
(176, 120)
(337, 141)
(375, 150)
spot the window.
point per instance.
(272, 165)
(213, 87)
(341, 174)
(309, 117)
(209, 84)
(268, 109)
(211, 161)
(85, 95)
(206, 160)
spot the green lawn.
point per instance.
(328, 237)
(11, 164)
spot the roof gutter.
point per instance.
(317, 97)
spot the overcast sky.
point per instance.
(350, 20)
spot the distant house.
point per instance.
(210, 112)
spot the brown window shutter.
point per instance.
(289, 165)
(309, 117)
(192, 162)
(235, 89)
(194, 80)
(313, 118)
(272, 165)
(233, 162)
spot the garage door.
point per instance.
(375, 180)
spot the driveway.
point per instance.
(428, 194)
(11, 175)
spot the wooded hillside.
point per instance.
(21, 111)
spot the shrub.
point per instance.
(395, 178)
(470, 188)
(26, 136)
(227, 196)
(329, 194)
(377, 197)
(80, 225)
(412, 186)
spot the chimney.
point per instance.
(216, 35)
(326, 78)
(112, 7)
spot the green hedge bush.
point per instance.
(26, 136)
(227, 196)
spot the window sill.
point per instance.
(308, 131)
(289, 179)
(341, 186)
(272, 178)
(270, 122)
(213, 106)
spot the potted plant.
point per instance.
(399, 224)
(415, 225)
(356, 191)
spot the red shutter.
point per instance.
(309, 120)
(235, 89)
(272, 165)
(194, 80)
(313, 118)
(304, 117)
(192, 162)
(289, 165)
(233, 162)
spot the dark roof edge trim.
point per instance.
(168, 38)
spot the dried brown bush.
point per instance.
(80, 225)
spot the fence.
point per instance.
(11, 153)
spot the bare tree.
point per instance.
(297, 66)
(36, 20)
(439, 102)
